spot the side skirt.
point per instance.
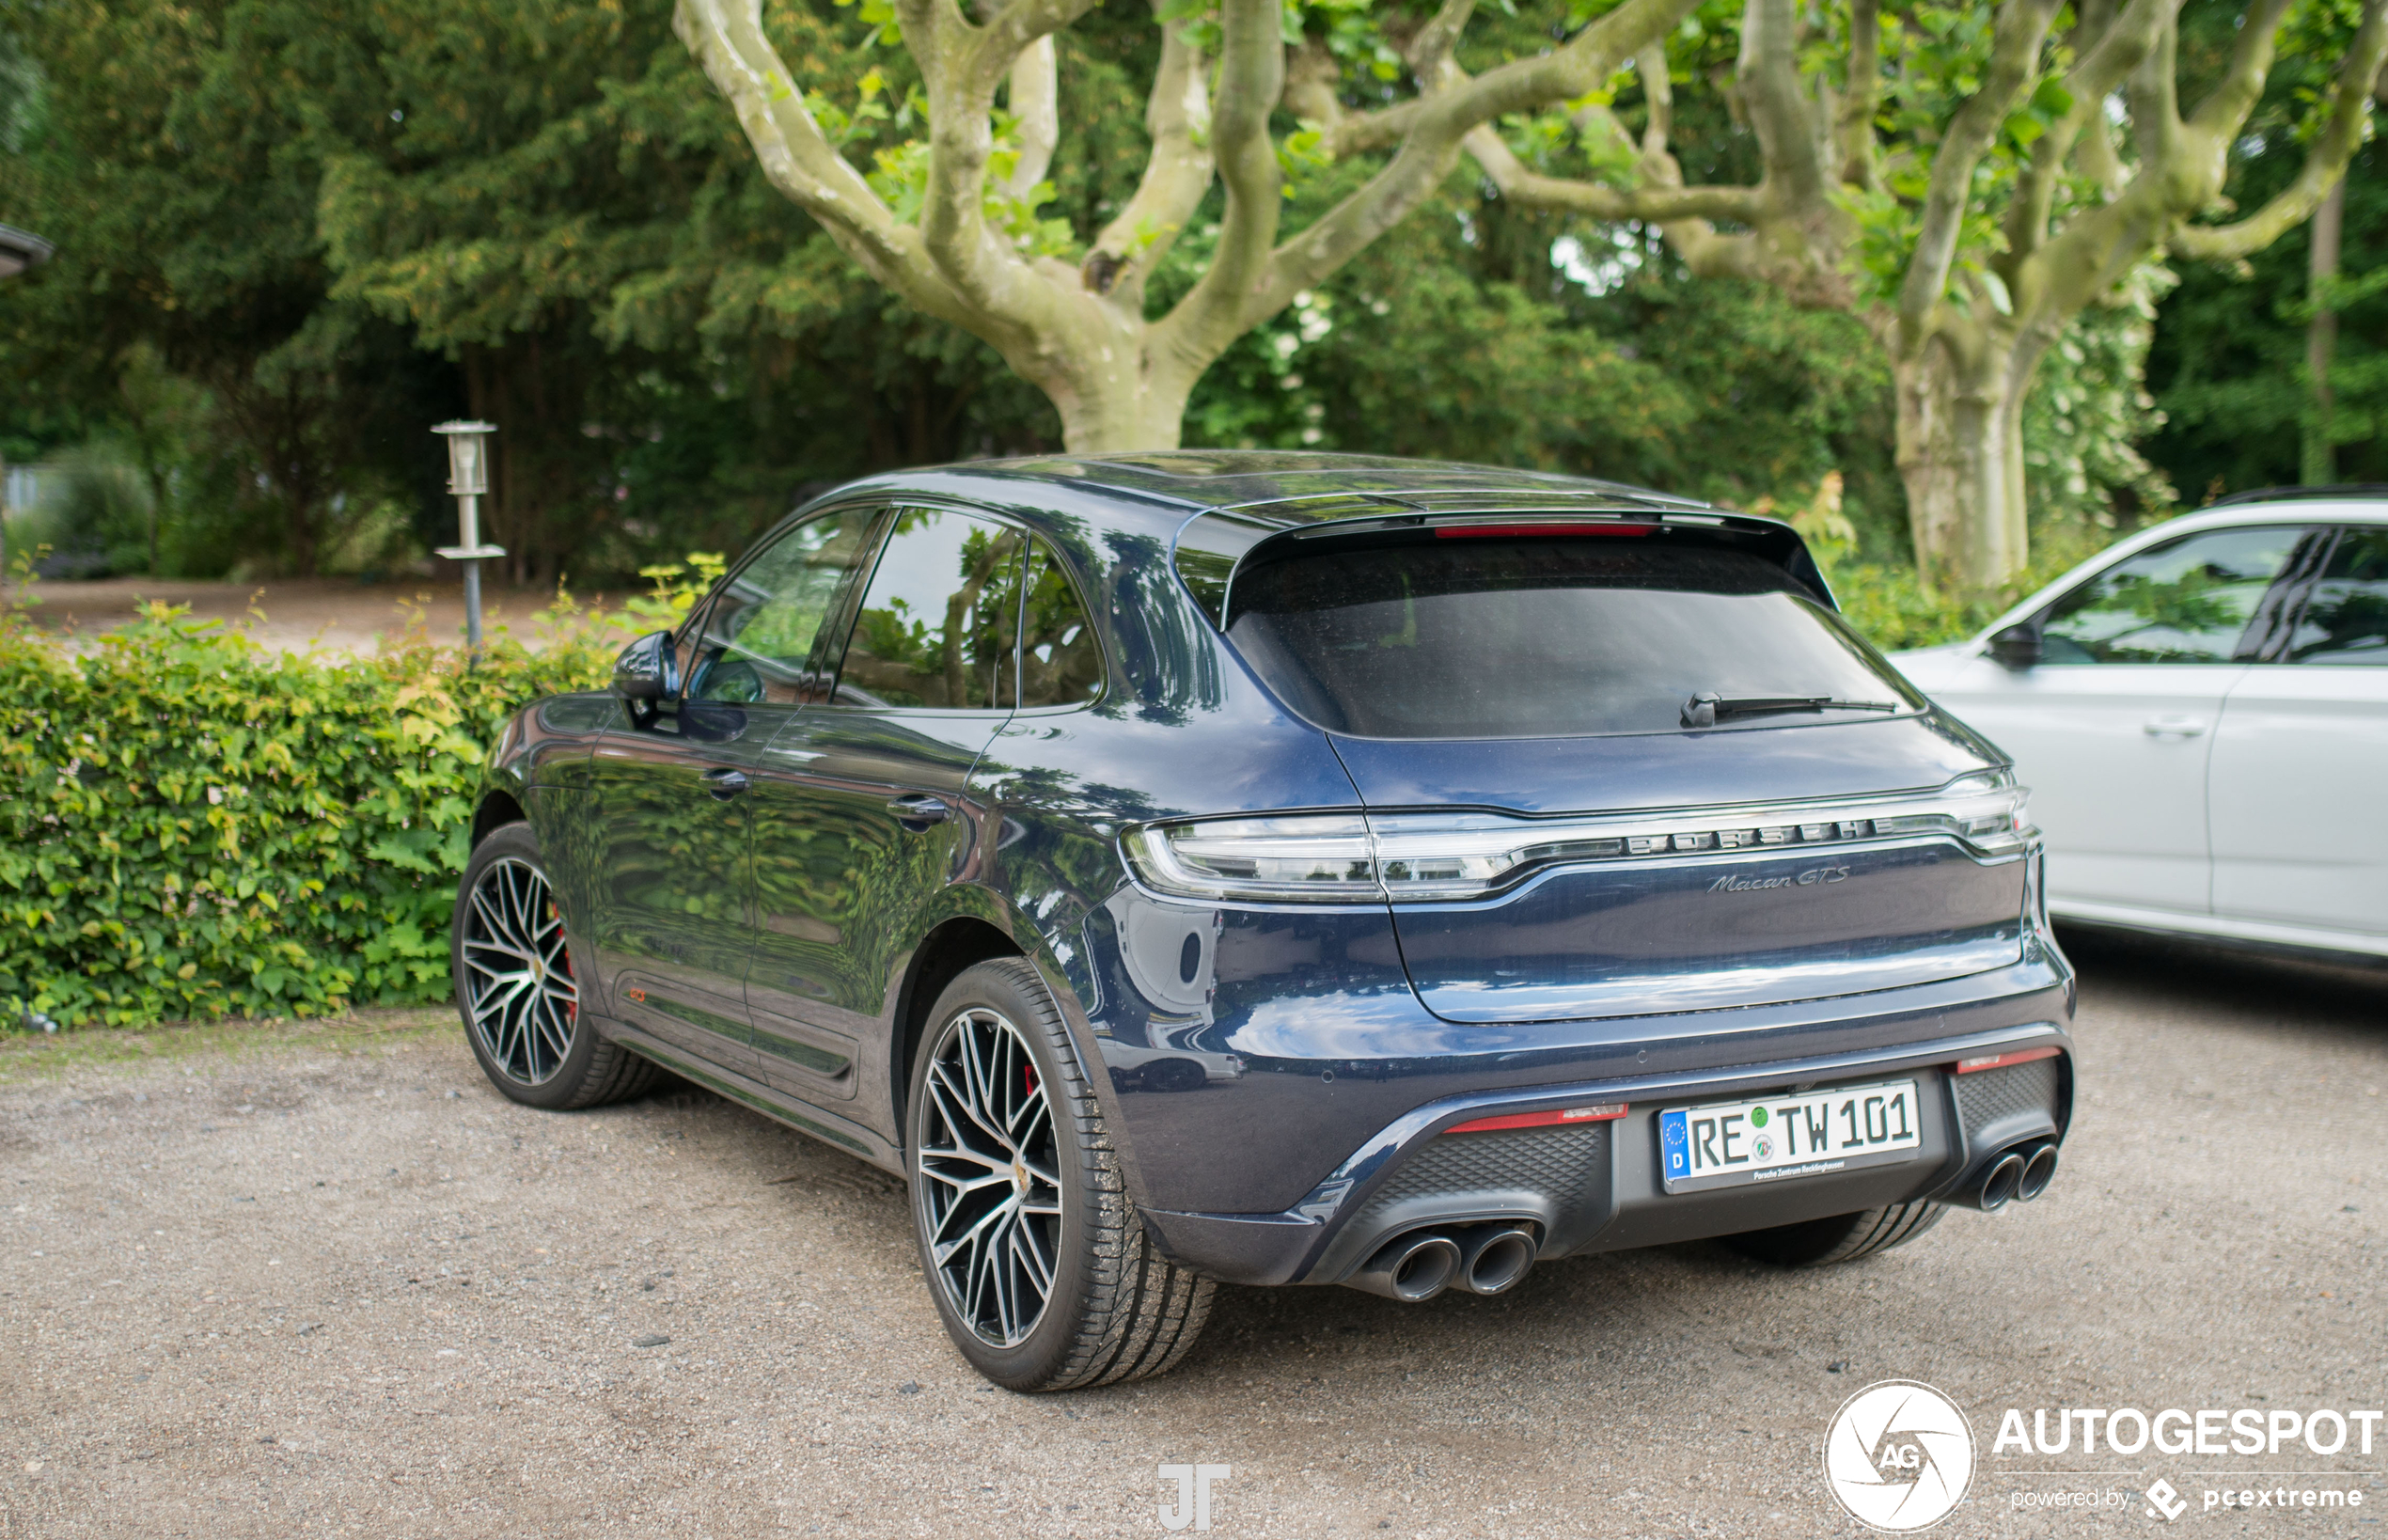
(2339, 948)
(804, 1117)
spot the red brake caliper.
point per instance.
(572, 1008)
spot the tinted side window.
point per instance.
(939, 622)
(758, 633)
(1060, 662)
(2346, 618)
(2187, 601)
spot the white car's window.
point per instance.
(2187, 601)
(2346, 618)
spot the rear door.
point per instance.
(1523, 712)
(859, 801)
(2113, 730)
(2301, 760)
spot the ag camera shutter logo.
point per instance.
(1898, 1457)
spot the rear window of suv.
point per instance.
(1501, 638)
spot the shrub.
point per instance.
(196, 824)
(1894, 610)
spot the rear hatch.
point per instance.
(1618, 766)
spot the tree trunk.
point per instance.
(300, 530)
(2319, 461)
(1122, 410)
(1960, 454)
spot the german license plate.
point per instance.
(1779, 1137)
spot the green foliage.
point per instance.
(2228, 364)
(1773, 397)
(1893, 608)
(1935, 57)
(2088, 411)
(197, 825)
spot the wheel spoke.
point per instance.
(958, 1099)
(1027, 1247)
(519, 987)
(943, 1152)
(989, 1197)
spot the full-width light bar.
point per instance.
(1362, 856)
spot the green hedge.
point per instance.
(196, 824)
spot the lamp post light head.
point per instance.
(468, 457)
(20, 249)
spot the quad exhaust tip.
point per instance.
(1492, 1260)
(2039, 1170)
(1479, 1259)
(2015, 1176)
(2001, 1182)
(1411, 1268)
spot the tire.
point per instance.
(1844, 1237)
(524, 1023)
(1175, 1074)
(1113, 1309)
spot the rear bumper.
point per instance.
(1592, 1189)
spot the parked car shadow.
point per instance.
(2279, 990)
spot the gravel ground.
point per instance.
(288, 1282)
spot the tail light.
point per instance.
(1356, 857)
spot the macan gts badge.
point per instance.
(1284, 869)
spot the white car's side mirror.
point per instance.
(2018, 647)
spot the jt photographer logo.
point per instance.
(1192, 1507)
(1898, 1457)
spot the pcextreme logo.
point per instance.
(1899, 1457)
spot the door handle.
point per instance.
(2174, 727)
(724, 783)
(917, 811)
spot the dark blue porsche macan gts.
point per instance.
(1284, 869)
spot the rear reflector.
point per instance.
(2000, 1060)
(1530, 531)
(1602, 1113)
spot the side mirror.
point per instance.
(2018, 647)
(643, 674)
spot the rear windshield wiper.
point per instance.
(1708, 708)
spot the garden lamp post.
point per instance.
(467, 479)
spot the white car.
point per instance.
(2201, 711)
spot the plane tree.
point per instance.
(1966, 179)
(951, 220)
